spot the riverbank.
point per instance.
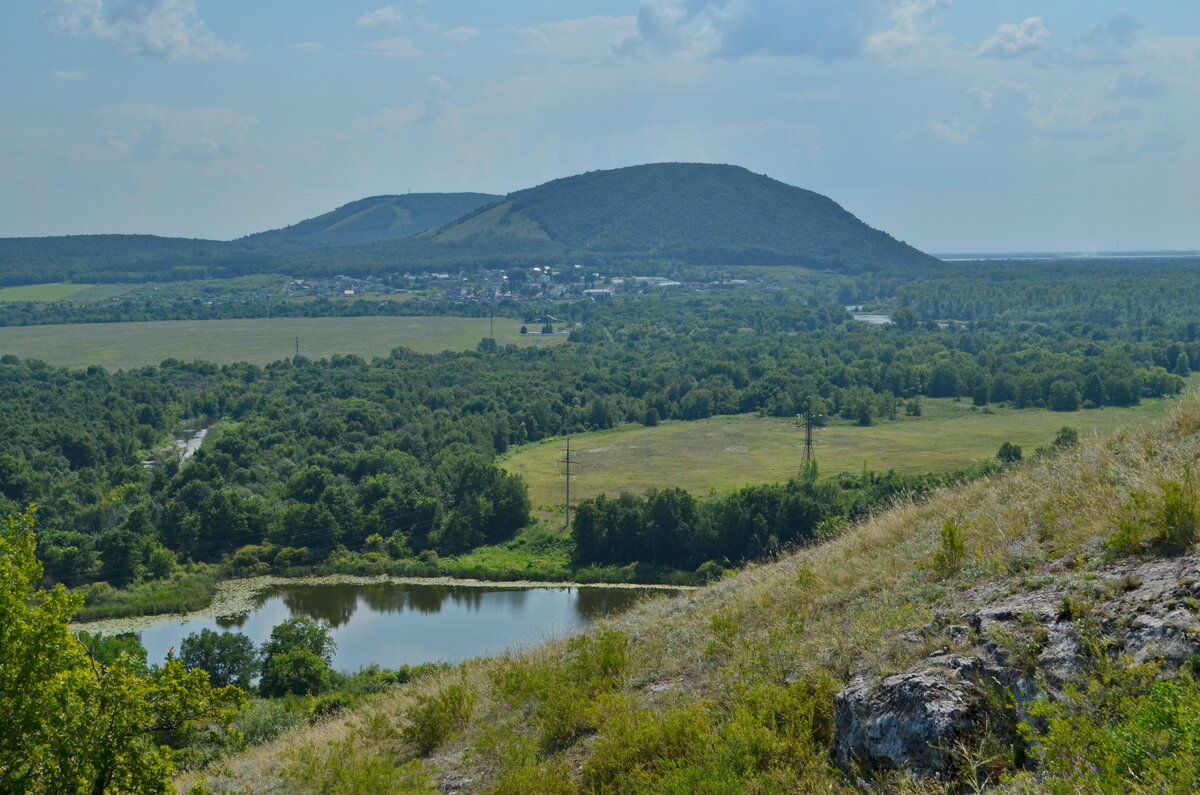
(237, 596)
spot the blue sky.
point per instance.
(956, 125)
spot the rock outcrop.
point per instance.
(1015, 649)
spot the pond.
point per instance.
(397, 624)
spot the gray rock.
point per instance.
(909, 722)
(1028, 647)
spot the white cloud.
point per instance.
(912, 21)
(399, 117)
(461, 35)
(70, 74)
(1143, 86)
(1010, 41)
(164, 28)
(150, 132)
(950, 133)
(382, 18)
(739, 28)
(591, 37)
(392, 48)
(1108, 41)
(309, 46)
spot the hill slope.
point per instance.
(665, 213)
(937, 626)
(699, 213)
(122, 258)
(372, 219)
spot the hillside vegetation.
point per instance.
(371, 219)
(652, 216)
(696, 213)
(732, 688)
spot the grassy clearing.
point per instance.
(688, 694)
(42, 292)
(264, 340)
(723, 453)
(180, 594)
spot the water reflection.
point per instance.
(334, 605)
(393, 624)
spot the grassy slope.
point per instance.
(373, 218)
(727, 452)
(125, 345)
(42, 292)
(791, 631)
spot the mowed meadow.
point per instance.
(723, 453)
(259, 341)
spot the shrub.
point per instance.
(264, 720)
(330, 705)
(1009, 453)
(296, 672)
(1124, 732)
(952, 553)
(433, 719)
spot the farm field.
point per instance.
(264, 340)
(42, 292)
(723, 453)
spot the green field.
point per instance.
(125, 345)
(42, 292)
(723, 453)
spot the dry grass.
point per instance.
(828, 610)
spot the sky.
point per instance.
(955, 125)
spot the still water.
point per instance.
(393, 624)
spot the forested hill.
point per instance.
(123, 258)
(635, 218)
(371, 219)
(701, 214)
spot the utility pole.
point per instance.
(567, 461)
(492, 318)
(297, 347)
(810, 421)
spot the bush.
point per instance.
(296, 672)
(330, 705)
(952, 553)
(1124, 732)
(1009, 453)
(433, 719)
(264, 720)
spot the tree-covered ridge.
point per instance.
(1157, 296)
(666, 214)
(123, 258)
(372, 219)
(698, 214)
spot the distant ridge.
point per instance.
(372, 219)
(662, 214)
(696, 213)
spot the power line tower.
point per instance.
(810, 420)
(568, 461)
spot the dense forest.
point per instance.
(395, 456)
(673, 529)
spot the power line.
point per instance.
(568, 460)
